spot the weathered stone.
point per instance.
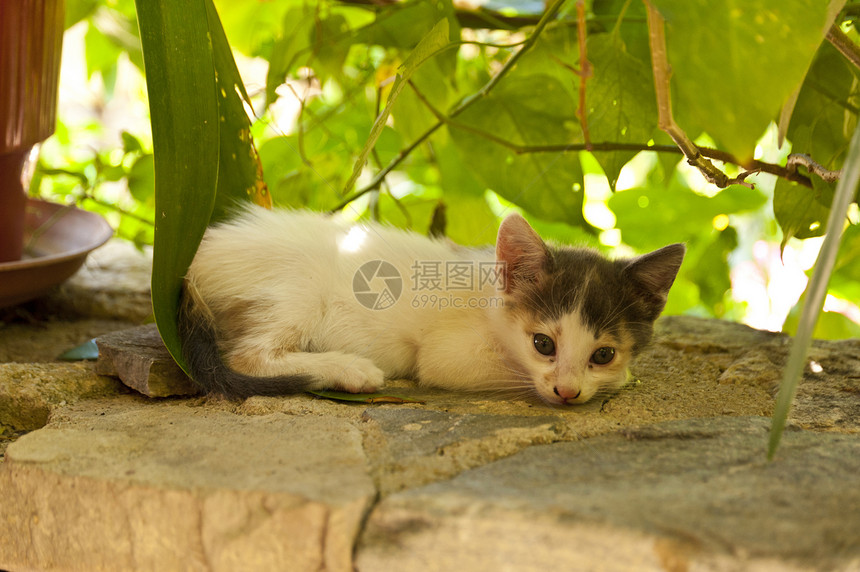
(411, 447)
(29, 392)
(695, 494)
(131, 484)
(138, 357)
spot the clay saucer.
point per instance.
(57, 240)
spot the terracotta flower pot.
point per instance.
(31, 39)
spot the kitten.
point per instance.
(279, 302)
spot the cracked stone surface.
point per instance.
(668, 474)
(673, 496)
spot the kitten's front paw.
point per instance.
(360, 376)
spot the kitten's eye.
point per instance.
(544, 344)
(603, 356)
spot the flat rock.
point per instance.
(137, 356)
(693, 494)
(132, 484)
(412, 447)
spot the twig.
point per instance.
(458, 109)
(666, 121)
(844, 44)
(812, 166)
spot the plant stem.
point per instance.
(816, 292)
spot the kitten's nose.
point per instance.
(566, 393)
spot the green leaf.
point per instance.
(141, 179)
(816, 292)
(526, 109)
(621, 100)
(734, 73)
(797, 211)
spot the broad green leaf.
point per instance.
(526, 109)
(434, 41)
(734, 74)
(621, 100)
(816, 292)
(797, 210)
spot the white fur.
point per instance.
(291, 272)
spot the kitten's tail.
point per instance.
(199, 345)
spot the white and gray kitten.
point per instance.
(272, 305)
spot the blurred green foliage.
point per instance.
(737, 72)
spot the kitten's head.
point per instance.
(572, 318)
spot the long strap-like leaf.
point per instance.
(180, 82)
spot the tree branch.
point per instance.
(812, 166)
(788, 172)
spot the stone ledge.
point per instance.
(688, 494)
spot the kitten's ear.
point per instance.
(655, 272)
(521, 251)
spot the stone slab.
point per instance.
(132, 484)
(693, 494)
(412, 447)
(137, 356)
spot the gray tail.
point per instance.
(199, 345)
